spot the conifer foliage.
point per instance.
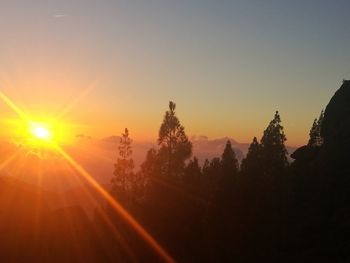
(211, 168)
(269, 157)
(175, 146)
(229, 162)
(252, 163)
(122, 182)
(193, 172)
(273, 150)
(316, 139)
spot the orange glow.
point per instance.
(32, 132)
(117, 207)
(47, 134)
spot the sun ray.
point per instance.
(102, 213)
(13, 106)
(118, 208)
(77, 99)
(119, 237)
(9, 159)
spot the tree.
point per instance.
(151, 165)
(125, 150)
(206, 167)
(229, 162)
(212, 168)
(227, 175)
(313, 134)
(316, 138)
(211, 174)
(193, 172)
(251, 164)
(273, 150)
(175, 148)
(123, 169)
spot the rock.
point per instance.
(305, 153)
(336, 130)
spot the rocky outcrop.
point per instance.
(305, 153)
(336, 130)
(336, 121)
(334, 154)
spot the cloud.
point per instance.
(60, 15)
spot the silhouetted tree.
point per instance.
(206, 167)
(273, 150)
(211, 174)
(150, 169)
(123, 169)
(138, 188)
(151, 165)
(175, 147)
(211, 168)
(315, 132)
(229, 162)
(251, 164)
(193, 172)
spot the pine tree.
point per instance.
(251, 164)
(206, 167)
(151, 165)
(223, 186)
(319, 124)
(125, 150)
(316, 139)
(313, 134)
(150, 170)
(175, 147)
(123, 169)
(229, 162)
(139, 182)
(211, 168)
(273, 150)
(193, 172)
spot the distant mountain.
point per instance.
(65, 187)
(97, 156)
(204, 148)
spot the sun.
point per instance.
(40, 131)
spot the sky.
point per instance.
(228, 65)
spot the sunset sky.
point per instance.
(228, 65)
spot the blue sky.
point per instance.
(227, 64)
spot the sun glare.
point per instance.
(44, 133)
(41, 133)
